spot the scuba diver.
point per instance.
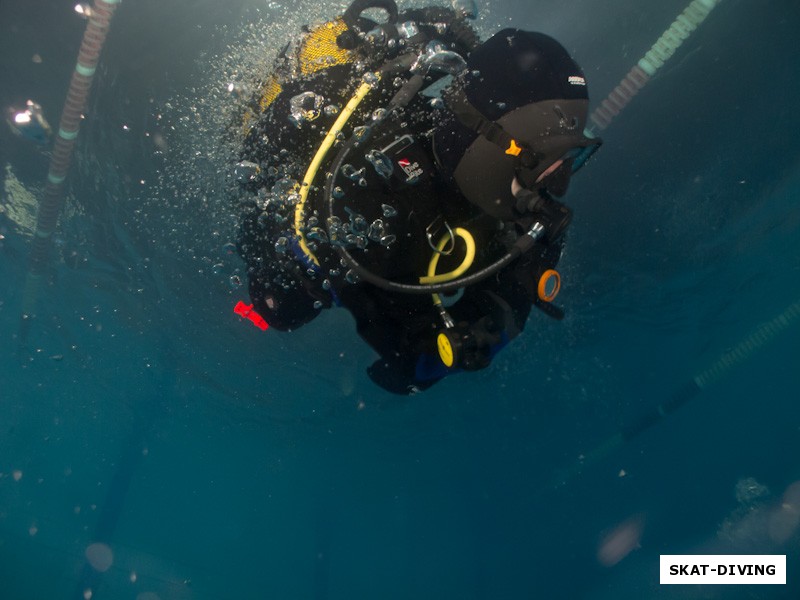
(30, 123)
(411, 173)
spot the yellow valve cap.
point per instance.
(445, 349)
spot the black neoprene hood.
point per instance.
(529, 84)
(515, 68)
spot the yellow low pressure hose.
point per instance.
(308, 179)
(469, 258)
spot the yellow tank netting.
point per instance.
(319, 49)
(269, 92)
(272, 88)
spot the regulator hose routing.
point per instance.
(523, 244)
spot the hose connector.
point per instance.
(447, 320)
(536, 231)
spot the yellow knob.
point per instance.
(445, 349)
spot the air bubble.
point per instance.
(376, 37)
(281, 245)
(376, 230)
(283, 187)
(246, 171)
(351, 173)
(305, 107)
(358, 223)
(381, 163)
(466, 9)
(371, 79)
(317, 234)
(361, 132)
(99, 556)
(237, 90)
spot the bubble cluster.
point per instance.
(197, 138)
(305, 107)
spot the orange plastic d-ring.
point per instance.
(549, 285)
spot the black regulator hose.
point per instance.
(522, 245)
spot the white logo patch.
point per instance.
(576, 80)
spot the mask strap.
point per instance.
(472, 118)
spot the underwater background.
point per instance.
(153, 446)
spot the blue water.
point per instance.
(216, 461)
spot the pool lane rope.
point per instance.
(763, 335)
(64, 147)
(681, 28)
(742, 351)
